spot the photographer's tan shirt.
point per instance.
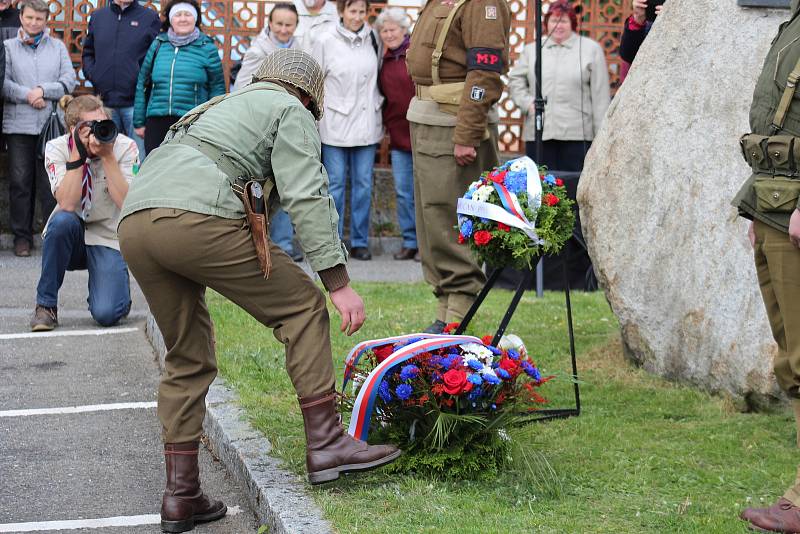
(101, 222)
(574, 82)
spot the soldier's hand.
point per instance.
(464, 154)
(794, 228)
(350, 307)
(751, 234)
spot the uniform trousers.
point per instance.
(778, 267)
(450, 268)
(175, 255)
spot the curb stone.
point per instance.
(278, 496)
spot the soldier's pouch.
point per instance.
(448, 96)
(752, 146)
(776, 194)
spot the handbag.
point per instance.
(52, 128)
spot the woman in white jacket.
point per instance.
(351, 126)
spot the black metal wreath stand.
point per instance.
(537, 415)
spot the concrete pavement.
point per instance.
(79, 438)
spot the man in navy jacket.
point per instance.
(115, 45)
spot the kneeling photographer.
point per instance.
(89, 169)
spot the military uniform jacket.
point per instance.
(475, 52)
(270, 135)
(780, 61)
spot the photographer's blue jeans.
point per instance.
(403, 171)
(281, 232)
(64, 249)
(357, 163)
(123, 118)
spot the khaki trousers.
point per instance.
(448, 267)
(174, 255)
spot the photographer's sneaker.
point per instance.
(44, 319)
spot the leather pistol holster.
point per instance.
(255, 206)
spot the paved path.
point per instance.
(79, 437)
(103, 466)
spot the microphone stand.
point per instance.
(538, 104)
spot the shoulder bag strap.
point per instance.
(437, 53)
(786, 99)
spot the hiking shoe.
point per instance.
(44, 319)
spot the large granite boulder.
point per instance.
(667, 247)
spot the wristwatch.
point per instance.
(72, 165)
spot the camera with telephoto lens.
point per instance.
(104, 131)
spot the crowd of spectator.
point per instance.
(148, 70)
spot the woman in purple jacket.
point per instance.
(398, 89)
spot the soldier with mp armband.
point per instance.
(458, 52)
(196, 218)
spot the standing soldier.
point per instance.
(459, 50)
(184, 229)
(771, 200)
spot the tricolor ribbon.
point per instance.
(365, 400)
(511, 213)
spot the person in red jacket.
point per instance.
(398, 89)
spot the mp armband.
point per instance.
(490, 59)
(77, 164)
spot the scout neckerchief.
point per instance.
(86, 183)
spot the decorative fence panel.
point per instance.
(235, 23)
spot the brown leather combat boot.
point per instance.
(330, 450)
(184, 504)
(783, 516)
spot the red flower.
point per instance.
(482, 237)
(383, 352)
(498, 177)
(550, 199)
(559, 182)
(461, 239)
(500, 399)
(487, 339)
(437, 389)
(455, 382)
(503, 227)
(450, 327)
(510, 366)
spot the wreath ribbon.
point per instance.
(367, 394)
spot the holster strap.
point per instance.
(786, 99)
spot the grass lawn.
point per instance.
(644, 456)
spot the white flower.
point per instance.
(479, 352)
(483, 193)
(475, 185)
(488, 371)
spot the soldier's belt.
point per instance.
(774, 160)
(773, 154)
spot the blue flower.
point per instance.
(502, 373)
(514, 355)
(531, 371)
(550, 179)
(447, 361)
(475, 393)
(408, 372)
(484, 220)
(494, 406)
(466, 228)
(468, 194)
(475, 379)
(403, 391)
(384, 392)
(475, 365)
(495, 350)
(490, 378)
(517, 182)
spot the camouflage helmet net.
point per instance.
(296, 68)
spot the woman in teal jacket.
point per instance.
(181, 70)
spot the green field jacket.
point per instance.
(780, 61)
(269, 134)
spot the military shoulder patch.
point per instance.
(477, 93)
(491, 12)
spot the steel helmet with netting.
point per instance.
(296, 68)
